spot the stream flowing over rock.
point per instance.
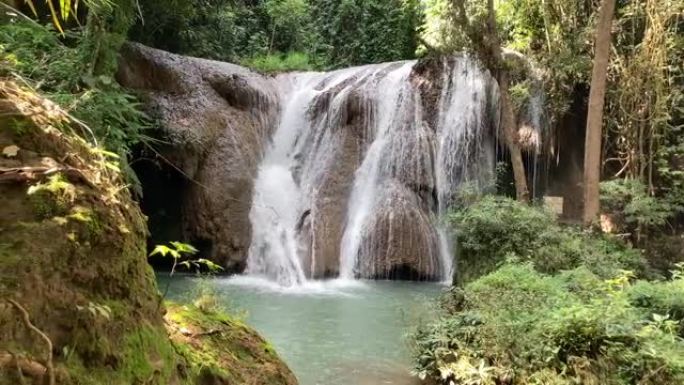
(323, 174)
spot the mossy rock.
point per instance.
(73, 257)
(221, 350)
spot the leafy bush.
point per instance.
(495, 229)
(520, 326)
(274, 63)
(65, 74)
(630, 199)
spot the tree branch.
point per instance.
(26, 174)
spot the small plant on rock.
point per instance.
(179, 250)
(182, 256)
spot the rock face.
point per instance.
(313, 175)
(216, 118)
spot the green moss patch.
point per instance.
(218, 347)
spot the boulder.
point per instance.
(72, 259)
(78, 299)
(221, 350)
(216, 119)
(400, 241)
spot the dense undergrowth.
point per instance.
(517, 325)
(496, 230)
(543, 304)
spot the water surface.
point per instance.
(329, 332)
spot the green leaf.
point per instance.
(160, 249)
(164, 251)
(65, 8)
(32, 7)
(106, 153)
(209, 264)
(55, 19)
(184, 248)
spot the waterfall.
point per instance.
(363, 165)
(393, 95)
(275, 251)
(465, 158)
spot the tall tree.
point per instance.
(592, 144)
(484, 38)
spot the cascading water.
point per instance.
(393, 93)
(357, 175)
(275, 250)
(465, 158)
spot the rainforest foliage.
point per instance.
(538, 303)
(277, 35)
(535, 302)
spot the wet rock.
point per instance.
(217, 118)
(401, 238)
(325, 225)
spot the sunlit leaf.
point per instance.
(184, 248)
(10, 151)
(161, 249)
(55, 18)
(65, 8)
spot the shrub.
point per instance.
(630, 199)
(273, 63)
(520, 326)
(495, 229)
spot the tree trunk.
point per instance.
(511, 137)
(488, 48)
(592, 145)
(510, 126)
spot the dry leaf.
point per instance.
(10, 151)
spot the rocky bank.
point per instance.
(78, 300)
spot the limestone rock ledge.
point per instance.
(215, 120)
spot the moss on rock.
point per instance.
(219, 349)
(73, 256)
